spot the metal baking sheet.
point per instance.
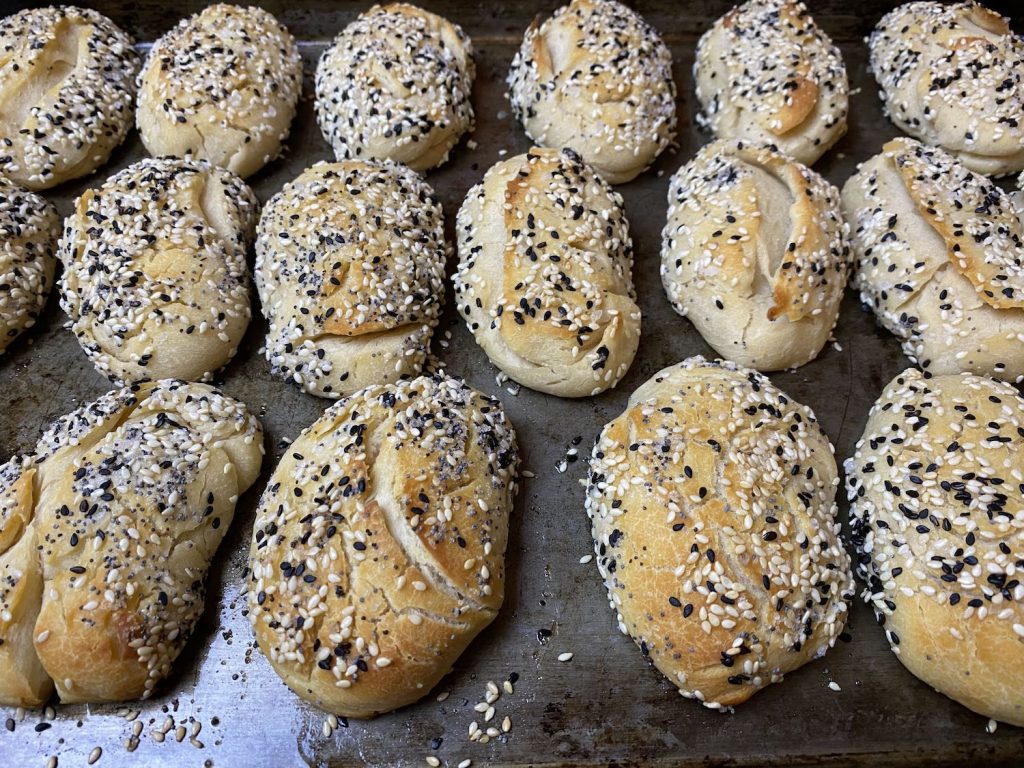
(606, 706)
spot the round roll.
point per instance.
(29, 228)
(940, 259)
(755, 253)
(935, 489)
(117, 514)
(544, 279)
(396, 84)
(221, 86)
(950, 76)
(350, 262)
(67, 85)
(378, 548)
(712, 499)
(597, 78)
(155, 280)
(767, 73)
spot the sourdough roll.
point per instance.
(597, 78)
(155, 280)
(939, 254)
(950, 75)
(67, 85)
(755, 253)
(29, 228)
(712, 499)
(766, 72)
(396, 84)
(378, 548)
(350, 264)
(221, 86)
(109, 528)
(936, 503)
(544, 279)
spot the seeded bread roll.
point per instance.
(950, 76)
(935, 502)
(378, 549)
(597, 78)
(67, 85)
(755, 253)
(350, 264)
(108, 530)
(766, 72)
(544, 279)
(221, 86)
(940, 259)
(712, 499)
(28, 234)
(396, 84)
(155, 280)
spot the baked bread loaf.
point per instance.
(221, 86)
(712, 499)
(378, 549)
(950, 76)
(396, 84)
(940, 259)
(155, 280)
(755, 253)
(935, 503)
(544, 279)
(766, 72)
(28, 235)
(108, 530)
(597, 78)
(350, 262)
(67, 86)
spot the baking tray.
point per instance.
(606, 706)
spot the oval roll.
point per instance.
(378, 549)
(712, 499)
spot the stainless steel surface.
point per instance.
(606, 706)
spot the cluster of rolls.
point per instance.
(377, 553)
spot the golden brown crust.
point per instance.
(935, 494)
(712, 499)
(128, 499)
(378, 549)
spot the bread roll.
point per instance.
(155, 280)
(28, 234)
(712, 499)
(396, 84)
(108, 530)
(350, 264)
(597, 78)
(544, 277)
(221, 86)
(755, 253)
(940, 259)
(67, 85)
(950, 76)
(935, 503)
(378, 548)
(765, 72)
